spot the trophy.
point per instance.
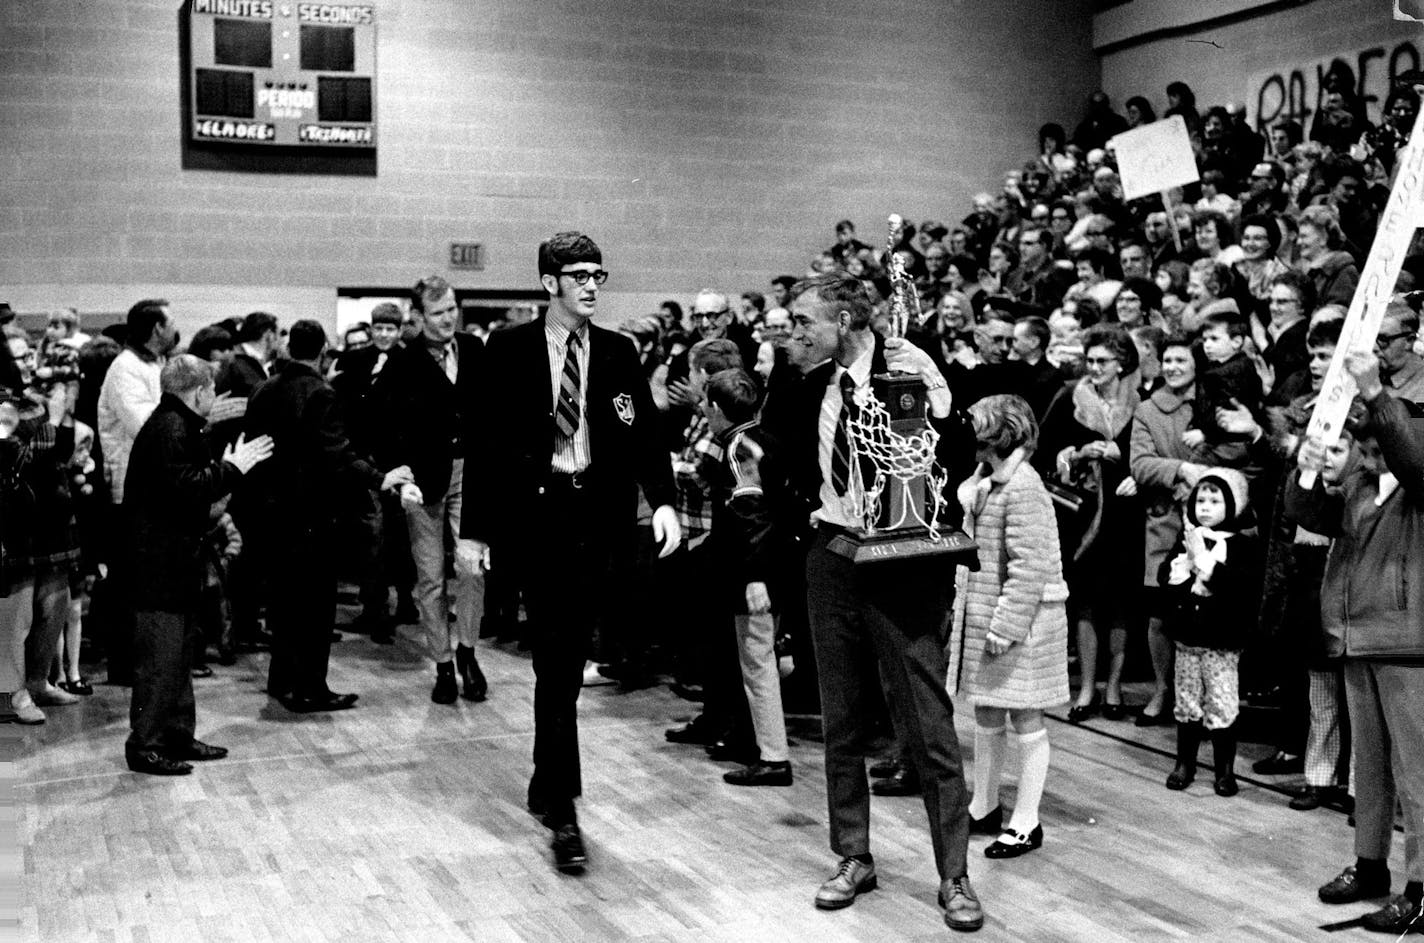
(893, 454)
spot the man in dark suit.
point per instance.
(898, 611)
(567, 432)
(172, 483)
(258, 341)
(432, 393)
(297, 497)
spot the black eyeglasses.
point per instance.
(581, 277)
(709, 315)
(1384, 340)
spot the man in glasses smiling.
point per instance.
(566, 432)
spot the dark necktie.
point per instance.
(567, 414)
(840, 450)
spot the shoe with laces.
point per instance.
(760, 774)
(852, 877)
(962, 910)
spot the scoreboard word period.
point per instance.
(269, 72)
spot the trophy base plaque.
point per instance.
(884, 546)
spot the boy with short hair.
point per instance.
(1228, 375)
(746, 543)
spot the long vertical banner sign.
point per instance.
(1362, 323)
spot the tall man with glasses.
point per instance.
(566, 434)
(1037, 281)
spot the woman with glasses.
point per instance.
(1086, 446)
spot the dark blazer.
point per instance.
(428, 423)
(171, 485)
(240, 377)
(312, 456)
(511, 453)
(792, 416)
(364, 396)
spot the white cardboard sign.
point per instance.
(1155, 157)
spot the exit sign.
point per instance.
(467, 255)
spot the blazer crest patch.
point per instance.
(623, 405)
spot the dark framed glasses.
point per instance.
(581, 277)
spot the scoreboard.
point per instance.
(272, 72)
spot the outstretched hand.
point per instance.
(245, 455)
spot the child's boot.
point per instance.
(1223, 744)
(1189, 737)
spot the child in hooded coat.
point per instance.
(1211, 580)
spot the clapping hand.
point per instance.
(679, 393)
(410, 495)
(1236, 420)
(226, 406)
(400, 475)
(244, 455)
(1193, 438)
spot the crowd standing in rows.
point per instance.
(1117, 384)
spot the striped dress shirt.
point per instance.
(571, 454)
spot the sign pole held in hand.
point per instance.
(1377, 281)
(1172, 221)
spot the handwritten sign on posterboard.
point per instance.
(1155, 157)
(1362, 322)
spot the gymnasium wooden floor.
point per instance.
(404, 820)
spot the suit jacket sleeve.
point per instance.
(324, 419)
(652, 463)
(488, 447)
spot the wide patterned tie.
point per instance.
(840, 450)
(567, 414)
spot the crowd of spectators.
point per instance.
(1166, 357)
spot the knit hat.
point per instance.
(1234, 489)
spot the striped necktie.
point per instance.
(840, 450)
(566, 416)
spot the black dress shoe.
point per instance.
(473, 686)
(885, 768)
(198, 751)
(1114, 711)
(227, 657)
(991, 824)
(445, 690)
(1181, 777)
(1348, 887)
(330, 701)
(1159, 719)
(695, 732)
(1081, 712)
(1226, 786)
(1011, 844)
(1313, 797)
(1400, 916)
(904, 783)
(570, 857)
(760, 774)
(688, 692)
(80, 688)
(1280, 764)
(155, 764)
(733, 751)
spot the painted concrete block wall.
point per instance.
(1272, 61)
(700, 143)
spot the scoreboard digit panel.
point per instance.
(272, 72)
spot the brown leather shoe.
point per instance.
(962, 910)
(852, 877)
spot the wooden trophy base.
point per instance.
(884, 546)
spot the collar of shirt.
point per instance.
(1412, 371)
(1387, 485)
(560, 332)
(256, 355)
(859, 370)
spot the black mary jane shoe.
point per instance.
(1114, 711)
(990, 824)
(1081, 712)
(1011, 844)
(80, 688)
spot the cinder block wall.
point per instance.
(700, 143)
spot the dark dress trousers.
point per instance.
(896, 611)
(558, 532)
(295, 497)
(171, 485)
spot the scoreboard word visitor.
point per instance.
(270, 72)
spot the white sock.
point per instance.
(1033, 748)
(990, 744)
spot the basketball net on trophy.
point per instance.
(893, 451)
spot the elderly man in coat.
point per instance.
(170, 486)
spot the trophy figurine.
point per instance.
(893, 454)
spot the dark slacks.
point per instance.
(898, 612)
(162, 712)
(564, 555)
(301, 610)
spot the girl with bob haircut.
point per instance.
(1009, 645)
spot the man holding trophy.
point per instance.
(880, 572)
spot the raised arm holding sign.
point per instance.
(1381, 272)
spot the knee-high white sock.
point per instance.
(990, 744)
(1033, 748)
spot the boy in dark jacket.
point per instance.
(1210, 579)
(1227, 375)
(1370, 605)
(746, 543)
